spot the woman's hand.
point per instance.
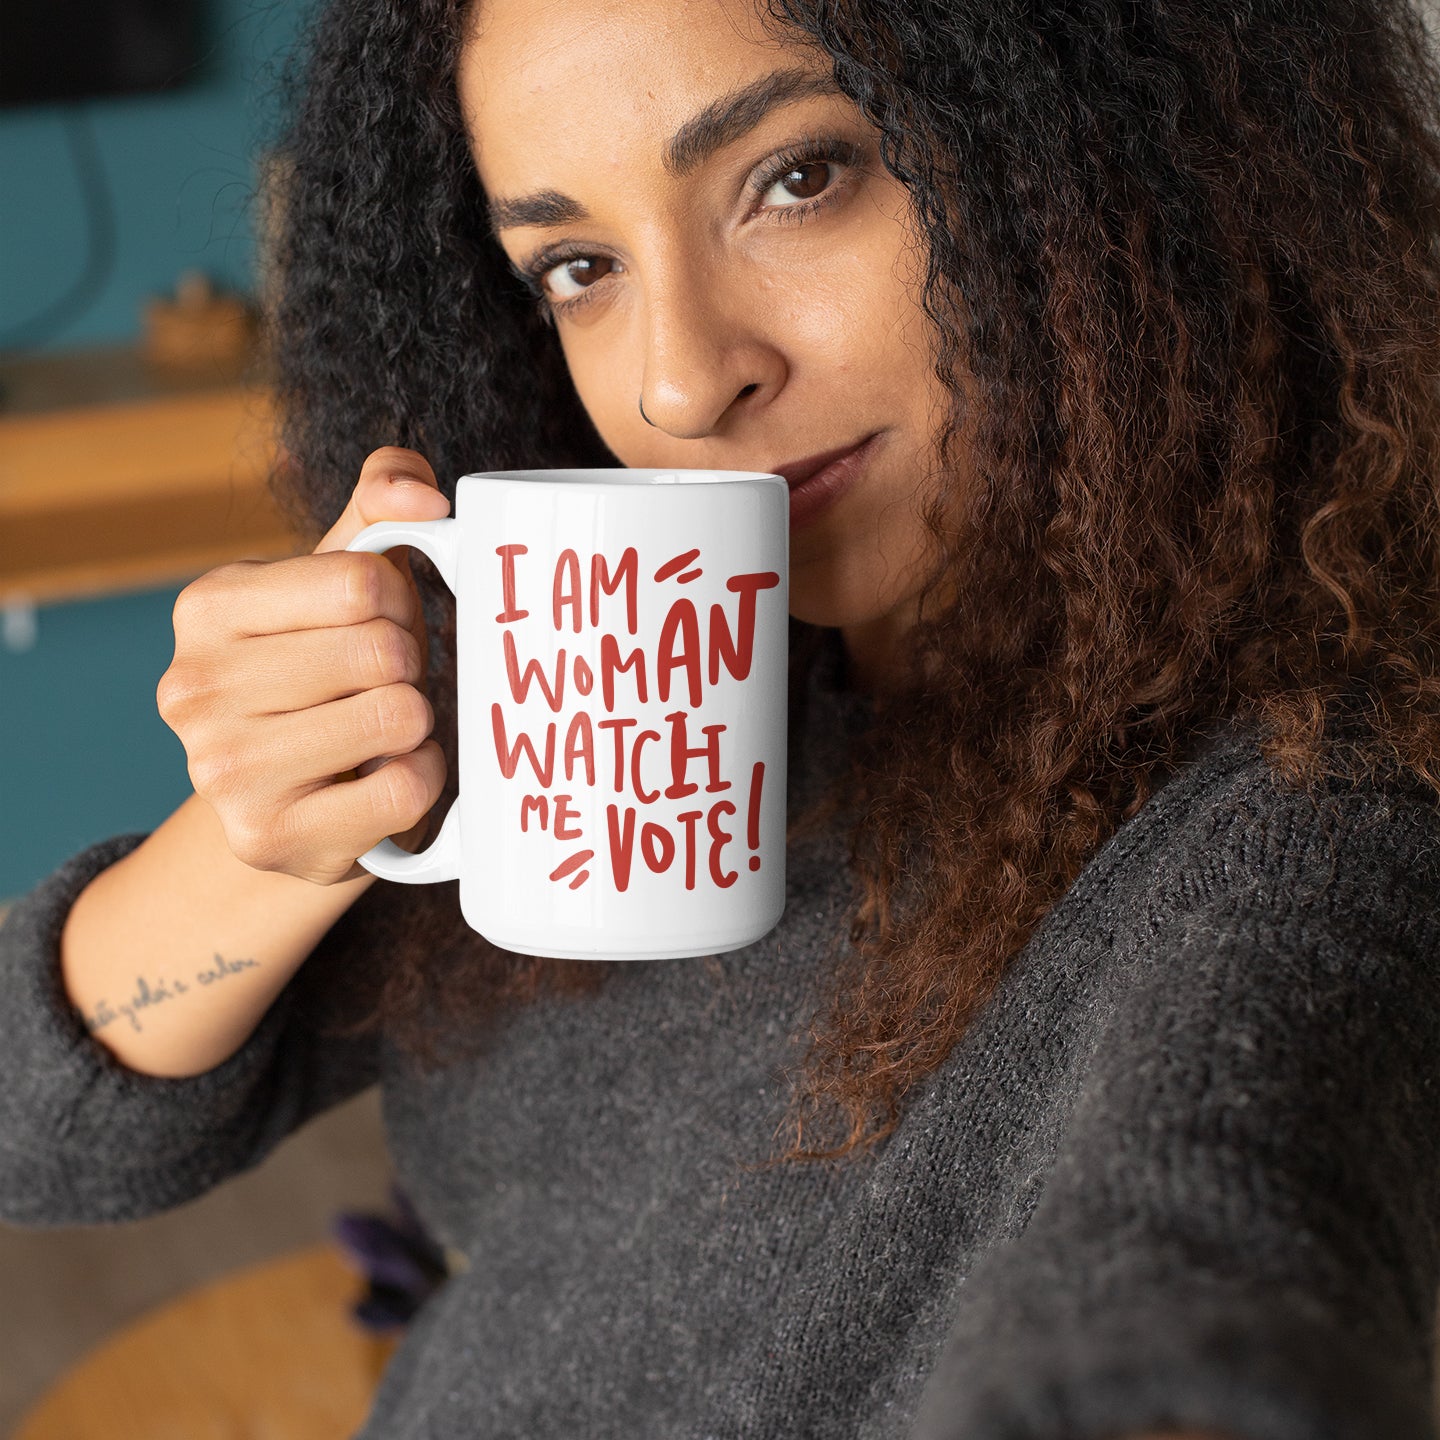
(298, 690)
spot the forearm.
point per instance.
(173, 954)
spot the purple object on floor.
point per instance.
(402, 1262)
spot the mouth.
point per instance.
(818, 481)
(798, 471)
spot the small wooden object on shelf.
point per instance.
(118, 473)
(200, 329)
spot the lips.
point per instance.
(818, 481)
(796, 471)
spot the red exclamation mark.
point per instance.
(752, 825)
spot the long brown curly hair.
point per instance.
(1182, 267)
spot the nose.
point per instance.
(706, 353)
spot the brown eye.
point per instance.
(805, 182)
(808, 176)
(581, 271)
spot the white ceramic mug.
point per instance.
(622, 656)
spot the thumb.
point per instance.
(394, 484)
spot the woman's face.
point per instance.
(709, 220)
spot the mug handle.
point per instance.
(440, 540)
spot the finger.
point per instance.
(306, 749)
(394, 484)
(357, 813)
(247, 598)
(287, 673)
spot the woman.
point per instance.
(1100, 1077)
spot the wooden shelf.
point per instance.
(114, 477)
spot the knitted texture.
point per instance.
(1184, 1169)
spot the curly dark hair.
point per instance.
(1182, 263)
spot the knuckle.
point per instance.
(204, 595)
(172, 693)
(252, 844)
(210, 772)
(257, 836)
(190, 680)
(405, 716)
(191, 606)
(201, 773)
(183, 689)
(403, 792)
(390, 653)
(362, 584)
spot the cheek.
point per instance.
(601, 382)
(838, 304)
(875, 321)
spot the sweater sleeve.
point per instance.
(86, 1140)
(1242, 1230)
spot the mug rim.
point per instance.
(618, 476)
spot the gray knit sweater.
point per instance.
(1185, 1169)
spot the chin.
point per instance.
(832, 614)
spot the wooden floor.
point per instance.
(67, 1290)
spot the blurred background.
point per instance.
(133, 137)
(135, 435)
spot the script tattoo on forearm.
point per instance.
(162, 991)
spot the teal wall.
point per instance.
(180, 169)
(83, 752)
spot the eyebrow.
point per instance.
(719, 124)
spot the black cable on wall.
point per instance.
(100, 245)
